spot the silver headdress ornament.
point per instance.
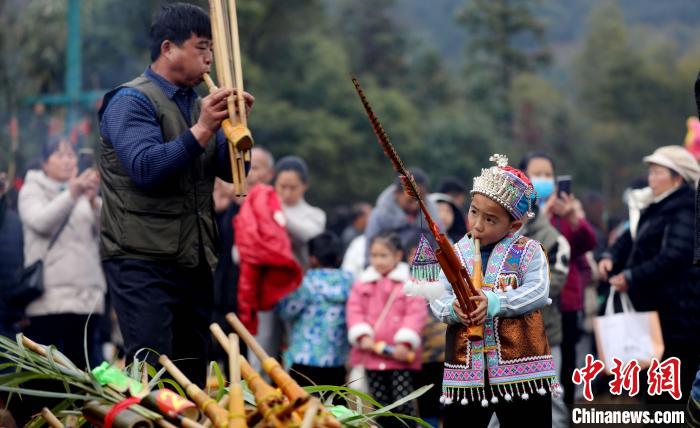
(507, 186)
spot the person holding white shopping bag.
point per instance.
(652, 260)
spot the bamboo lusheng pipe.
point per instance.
(239, 136)
(237, 157)
(237, 66)
(206, 404)
(477, 281)
(236, 407)
(291, 389)
(296, 394)
(456, 274)
(96, 412)
(50, 418)
(269, 400)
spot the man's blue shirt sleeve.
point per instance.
(129, 123)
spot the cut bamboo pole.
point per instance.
(50, 418)
(310, 413)
(273, 368)
(270, 401)
(236, 409)
(237, 66)
(206, 404)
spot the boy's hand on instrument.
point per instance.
(460, 314)
(402, 352)
(366, 343)
(479, 315)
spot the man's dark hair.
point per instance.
(452, 185)
(529, 156)
(177, 22)
(327, 249)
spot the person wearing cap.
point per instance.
(653, 259)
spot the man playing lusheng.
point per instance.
(161, 150)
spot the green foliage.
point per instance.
(505, 38)
(451, 80)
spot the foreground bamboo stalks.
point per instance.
(206, 404)
(296, 394)
(272, 405)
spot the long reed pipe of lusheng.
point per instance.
(478, 281)
(236, 409)
(226, 41)
(206, 404)
(269, 400)
(456, 274)
(50, 418)
(237, 66)
(236, 157)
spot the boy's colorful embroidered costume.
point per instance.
(514, 358)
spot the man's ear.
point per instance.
(166, 48)
(515, 225)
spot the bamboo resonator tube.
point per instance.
(273, 368)
(236, 407)
(269, 400)
(477, 281)
(229, 71)
(299, 398)
(206, 404)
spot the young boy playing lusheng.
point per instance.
(510, 370)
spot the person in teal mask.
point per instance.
(566, 214)
(558, 252)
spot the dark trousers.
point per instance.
(571, 334)
(310, 375)
(389, 386)
(66, 332)
(166, 308)
(535, 412)
(429, 403)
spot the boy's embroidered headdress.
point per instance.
(508, 186)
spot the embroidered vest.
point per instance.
(514, 352)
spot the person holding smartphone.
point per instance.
(566, 214)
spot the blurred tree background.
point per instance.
(597, 84)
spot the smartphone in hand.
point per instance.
(563, 185)
(86, 159)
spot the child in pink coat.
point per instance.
(384, 325)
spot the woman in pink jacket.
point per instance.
(384, 325)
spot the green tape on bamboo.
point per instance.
(116, 379)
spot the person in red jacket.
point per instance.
(269, 270)
(567, 216)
